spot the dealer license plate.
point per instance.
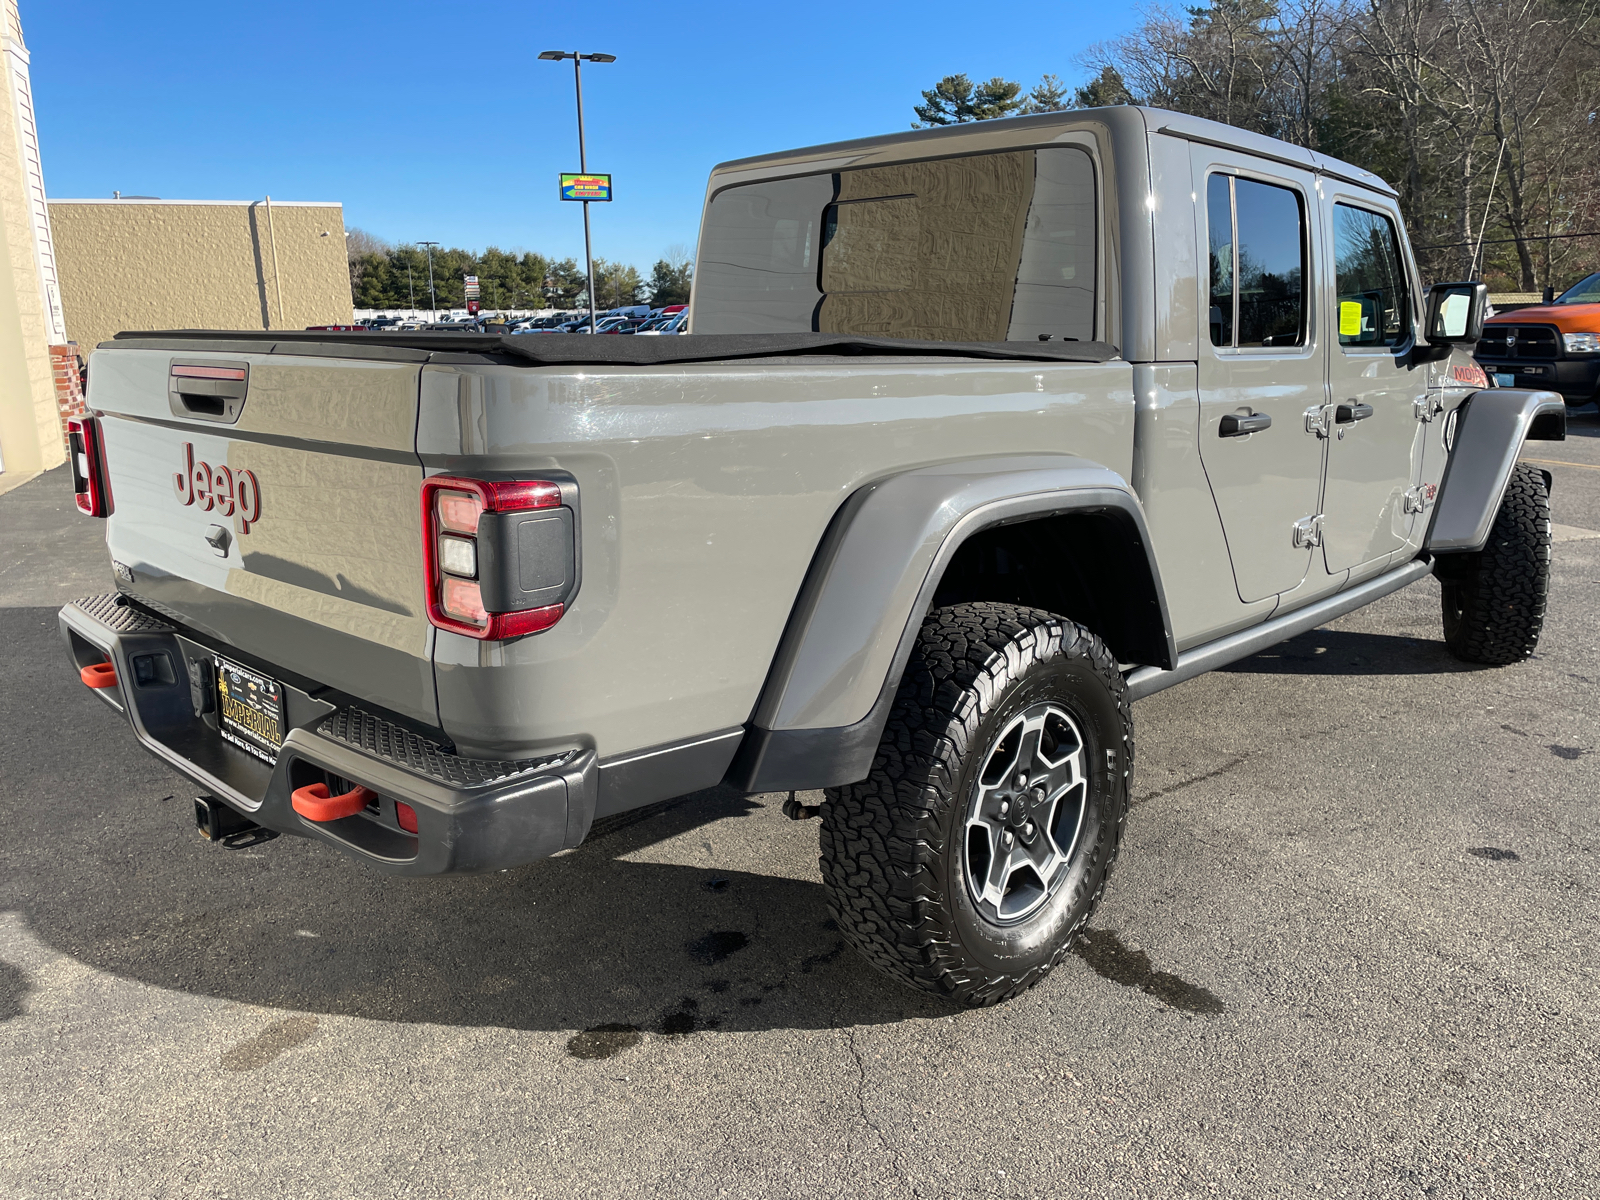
(251, 707)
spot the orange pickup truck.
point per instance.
(1554, 346)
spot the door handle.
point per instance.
(1235, 425)
(1351, 411)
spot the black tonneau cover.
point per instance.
(576, 349)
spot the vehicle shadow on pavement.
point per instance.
(108, 871)
(1349, 652)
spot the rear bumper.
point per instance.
(1577, 379)
(472, 814)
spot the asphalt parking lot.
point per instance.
(1349, 951)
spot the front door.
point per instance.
(1374, 436)
(1260, 368)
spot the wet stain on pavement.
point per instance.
(717, 945)
(716, 885)
(14, 986)
(272, 1041)
(682, 1019)
(812, 961)
(1494, 854)
(602, 1041)
(1103, 950)
(1568, 752)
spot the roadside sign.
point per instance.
(471, 282)
(585, 187)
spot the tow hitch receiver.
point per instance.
(219, 823)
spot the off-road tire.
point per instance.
(891, 845)
(1494, 600)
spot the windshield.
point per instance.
(1585, 291)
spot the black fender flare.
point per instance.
(1490, 428)
(827, 697)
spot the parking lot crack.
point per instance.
(861, 1101)
(1229, 764)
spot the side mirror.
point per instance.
(1455, 312)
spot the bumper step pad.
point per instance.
(382, 739)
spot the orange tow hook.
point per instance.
(315, 804)
(99, 675)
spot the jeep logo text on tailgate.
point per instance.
(218, 488)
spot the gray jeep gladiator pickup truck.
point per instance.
(983, 433)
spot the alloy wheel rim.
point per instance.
(1025, 814)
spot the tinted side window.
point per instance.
(1219, 219)
(1373, 306)
(994, 247)
(1258, 263)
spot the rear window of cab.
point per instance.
(987, 248)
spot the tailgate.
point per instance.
(307, 555)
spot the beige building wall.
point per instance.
(198, 264)
(30, 426)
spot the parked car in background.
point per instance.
(1554, 345)
(677, 323)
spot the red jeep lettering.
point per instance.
(219, 488)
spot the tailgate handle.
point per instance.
(208, 391)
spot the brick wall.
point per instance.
(68, 381)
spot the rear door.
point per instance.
(1260, 368)
(1376, 391)
(291, 532)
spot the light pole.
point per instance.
(583, 162)
(412, 288)
(433, 300)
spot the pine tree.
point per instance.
(954, 100)
(1048, 95)
(1104, 90)
(669, 282)
(947, 103)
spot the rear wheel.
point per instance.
(984, 837)
(1494, 600)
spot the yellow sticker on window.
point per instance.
(1350, 318)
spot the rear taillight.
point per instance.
(89, 486)
(477, 535)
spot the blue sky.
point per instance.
(438, 120)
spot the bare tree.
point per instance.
(1485, 114)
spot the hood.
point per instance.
(1569, 318)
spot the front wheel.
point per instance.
(984, 837)
(1494, 600)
